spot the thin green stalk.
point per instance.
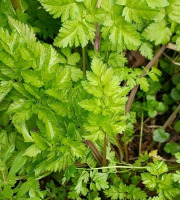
(4, 179)
(84, 60)
(120, 149)
(141, 132)
(3, 176)
(21, 177)
(174, 167)
(111, 167)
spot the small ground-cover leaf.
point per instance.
(177, 126)
(159, 135)
(172, 148)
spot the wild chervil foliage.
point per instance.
(64, 128)
(106, 104)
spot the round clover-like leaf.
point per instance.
(160, 107)
(175, 79)
(159, 135)
(175, 94)
(172, 148)
(152, 113)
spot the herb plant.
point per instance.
(69, 72)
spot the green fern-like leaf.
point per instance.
(66, 9)
(23, 29)
(157, 4)
(173, 10)
(126, 192)
(75, 33)
(158, 32)
(121, 34)
(146, 50)
(138, 11)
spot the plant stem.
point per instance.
(131, 98)
(4, 179)
(120, 149)
(141, 133)
(97, 35)
(84, 60)
(148, 66)
(172, 61)
(105, 150)
(97, 38)
(95, 151)
(117, 155)
(99, 4)
(172, 116)
(111, 167)
(126, 149)
(172, 46)
(3, 176)
(20, 177)
(16, 5)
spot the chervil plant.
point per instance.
(69, 72)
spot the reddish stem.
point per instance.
(148, 66)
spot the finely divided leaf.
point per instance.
(75, 33)
(173, 10)
(138, 11)
(157, 3)
(66, 9)
(122, 35)
(32, 77)
(176, 176)
(146, 50)
(23, 29)
(158, 32)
